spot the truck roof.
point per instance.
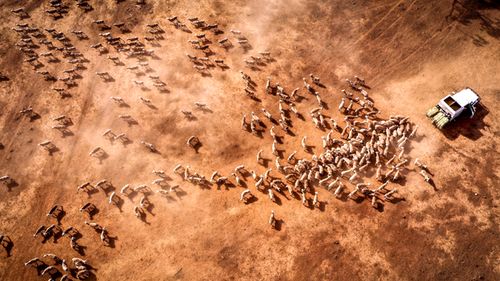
(465, 97)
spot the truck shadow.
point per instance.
(471, 128)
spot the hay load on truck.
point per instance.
(452, 106)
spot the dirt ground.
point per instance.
(411, 53)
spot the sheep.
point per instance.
(272, 220)
(109, 134)
(341, 105)
(34, 262)
(139, 213)
(304, 198)
(323, 181)
(315, 79)
(146, 101)
(64, 266)
(274, 149)
(420, 164)
(315, 200)
(339, 189)
(239, 169)
(307, 86)
(378, 173)
(94, 225)
(97, 152)
(160, 182)
(103, 184)
(84, 187)
(245, 196)
(7, 180)
(238, 180)
(141, 188)
(188, 114)
(150, 146)
(193, 142)
(303, 143)
(277, 184)
(88, 208)
(118, 100)
(267, 114)
(425, 175)
(352, 193)
(382, 187)
(354, 176)
(48, 145)
(201, 105)
(259, 156)
(267, 173)
(291, 158)
(113, 199)
(221, 181)
(52, 256)
(332, 184)
(259, 182)
(70, 231)
(214, 174)
(122, 138)
(49, 269)
(104, 236)
(177, 169)
(55, 211)
(244, 124)
(84, 274)
(388, 195)
(144, 202)
(396, 174)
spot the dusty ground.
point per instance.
(411, 53)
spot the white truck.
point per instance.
(453, 106)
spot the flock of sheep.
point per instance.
(360, 146)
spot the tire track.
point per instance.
(422, 45)
(394, 37)
(396, 21)
(362, 37)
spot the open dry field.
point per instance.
(411, 53)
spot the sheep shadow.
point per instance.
(11, 184)
(180, 193)
(53, 150)
(103, 156)
(310, 149)
(380, 207)
(92, 192)
(7, 244)
(278, 200)
(322, 206)
(111, 243)
(278, 224)
(265, 162)
(205, 110)
(252, 200)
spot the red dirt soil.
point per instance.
(411, 53)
